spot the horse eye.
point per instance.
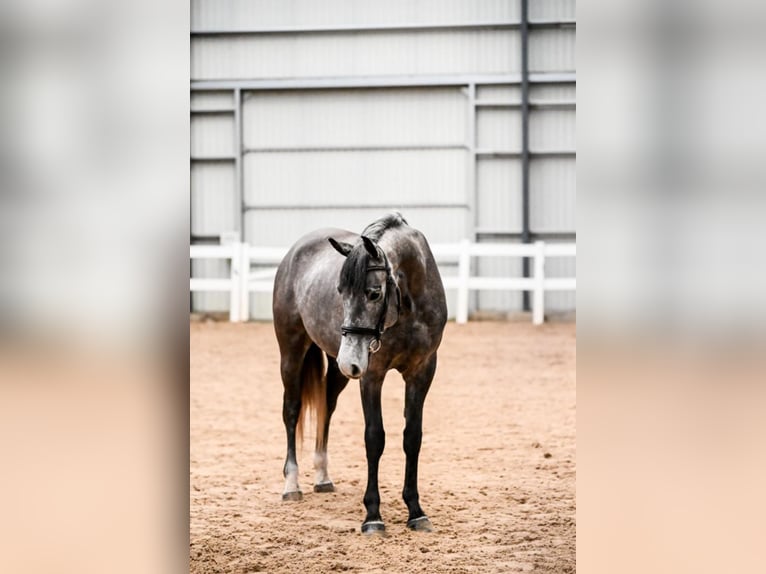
(374, 295)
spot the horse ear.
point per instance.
(341, 247)
(369, 245)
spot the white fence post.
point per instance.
(538, 298)
(244, 283)
(463, 272)
(234, 298)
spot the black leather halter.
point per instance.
(379, 329)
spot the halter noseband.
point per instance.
(379, 329)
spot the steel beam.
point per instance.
(211, 111)
(487, 232)
(390, 205)
(525, 232)
(213, 158)
(238, 150)
(382, 28)
(538, 105)
(431, 81)
(530, 154)
(394, 147)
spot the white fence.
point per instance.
(242, 280)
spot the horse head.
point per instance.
(371, 303)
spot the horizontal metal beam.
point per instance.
(513, 153)
(540, 105)
(486, 232)
(203, 238)
(382, 28)
(391, 205)
(211, 111)
(354, 148)
(212, 159)
(427, 81)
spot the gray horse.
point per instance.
(369, 304)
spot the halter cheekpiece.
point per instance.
(379, 329)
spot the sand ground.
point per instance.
(497, 466)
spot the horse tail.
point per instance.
(313, 393)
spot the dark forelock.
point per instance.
(353, 274)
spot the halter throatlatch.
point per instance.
(379, 329)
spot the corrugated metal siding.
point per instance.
(381, 117)
(212, 100)
(552, 50)
(212, 135)
(499, 194)
(364, 177)
(284, 227)
(498, 93)
(547, 10)
(553, 194)
(552, 130)
(249, 14)
(552, 92)
(212, 198)
(355, 118)
(380, 53)
(498, 129)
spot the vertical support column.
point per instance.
(463, 272)
(525, 232)
(472, 198)
(239, 192)
(538, 301)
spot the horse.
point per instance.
(350, 306)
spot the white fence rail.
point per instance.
(242, 280)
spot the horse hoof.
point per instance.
(374, 527)
(293, 496)
(324, 487)
(421, 524)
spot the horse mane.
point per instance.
(353, 274)
(378, 227)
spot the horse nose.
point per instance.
(355, 370)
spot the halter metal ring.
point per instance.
(374, 346)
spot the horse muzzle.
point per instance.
(353, 357)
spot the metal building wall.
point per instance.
(269, 14)
(342, 157)
(552, 144)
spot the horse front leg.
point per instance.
(417, 385)
(375, 442)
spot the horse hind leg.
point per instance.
(335, 382)
(291, 370)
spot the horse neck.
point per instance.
(405, 255)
